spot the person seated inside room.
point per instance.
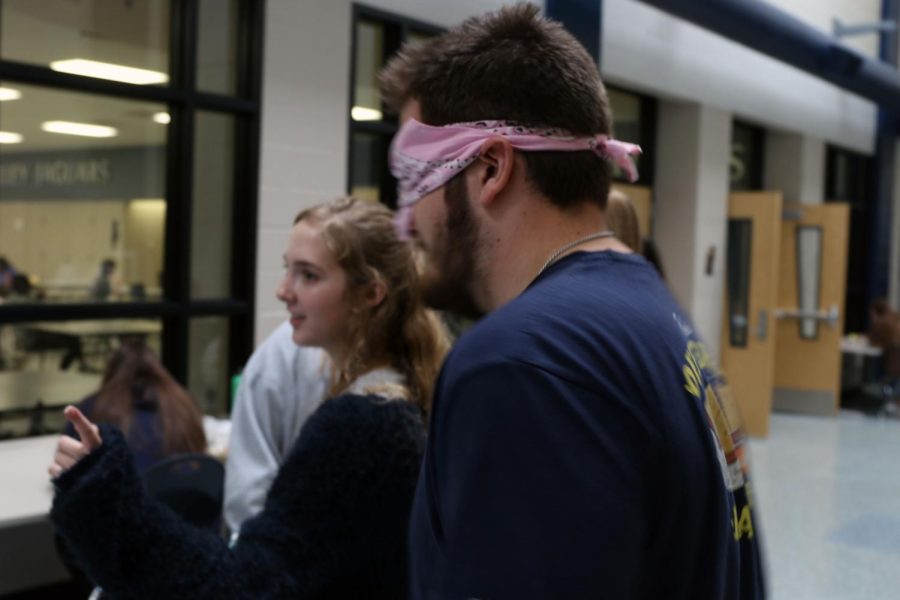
(104, 285)
(7, 272)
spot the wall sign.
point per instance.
(117, 173)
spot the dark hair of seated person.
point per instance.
(134, 380)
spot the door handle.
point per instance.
(830, 316)
(762, 325)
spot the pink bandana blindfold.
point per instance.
(424, 157)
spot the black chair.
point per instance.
(192, 485)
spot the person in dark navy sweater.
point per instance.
(335, 521)
(582, 443)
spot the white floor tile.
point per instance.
(828, 497)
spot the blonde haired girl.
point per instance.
(386, 323)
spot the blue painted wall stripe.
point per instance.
(886, 132)
(582, 18)
(774, 32)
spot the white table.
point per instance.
(859, 345)
(27, 554)
(100, 328)
(26, 493)
(96, 338)
(858, 365)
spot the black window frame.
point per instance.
(183, 101)
(647, 139)
(860, 196)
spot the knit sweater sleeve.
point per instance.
(135, 548)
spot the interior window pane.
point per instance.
(626, 110)
(746, 157)
(217, 41)
(416, 37)
(809, 273)
(208, 377)
(211, 238)
(121, 41)
(367, 158)
(740, 237)
(82, 206)
(369, 60)
(45, 366)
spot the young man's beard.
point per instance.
(448, 280)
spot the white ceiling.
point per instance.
(126, 32)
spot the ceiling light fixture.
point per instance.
(163, 118)
(102, 70)
(8, 137)
(362, 113)
(9, 94)
(83, 129)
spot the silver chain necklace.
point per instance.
(560, 251)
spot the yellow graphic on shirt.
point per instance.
(742, 525)
(705, 383)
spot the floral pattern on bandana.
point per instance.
(423, 158)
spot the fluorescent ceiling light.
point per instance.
(9, 94)
(84, 129)
(362, 113)
(8, 137)
(162, 118)
(102, 70)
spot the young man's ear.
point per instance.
(497, 161)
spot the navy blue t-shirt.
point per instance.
(582, 445)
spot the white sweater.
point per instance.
(282, 385)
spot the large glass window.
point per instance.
(45, 365)
(747, 151)
(634, 119)
(114, 40)
(82, 206)
(211, 243)
(376, 37)
(370, 173)
(848, 179)
(217, 46)
(369, 58)
(127, 195)
(208, 379)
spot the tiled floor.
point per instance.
(828, 495)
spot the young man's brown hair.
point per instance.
(513, 65)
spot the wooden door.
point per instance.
(812, 283)
(751, 294)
